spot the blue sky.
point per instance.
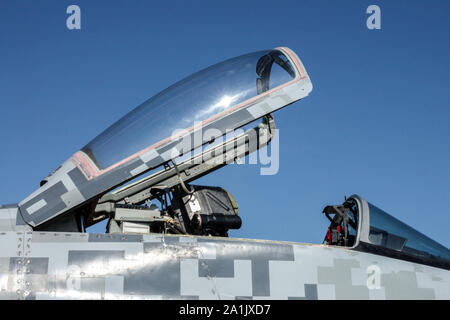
(376, 123)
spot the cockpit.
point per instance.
(343, 224)
(362, 226)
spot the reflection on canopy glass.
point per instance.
(198, 97)
(391, 233)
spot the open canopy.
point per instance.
(200, 98)
(221, 98)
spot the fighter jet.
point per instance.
(167, 238)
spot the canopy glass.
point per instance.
(389, 232)
(201, 97)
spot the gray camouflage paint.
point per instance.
(49, 265)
